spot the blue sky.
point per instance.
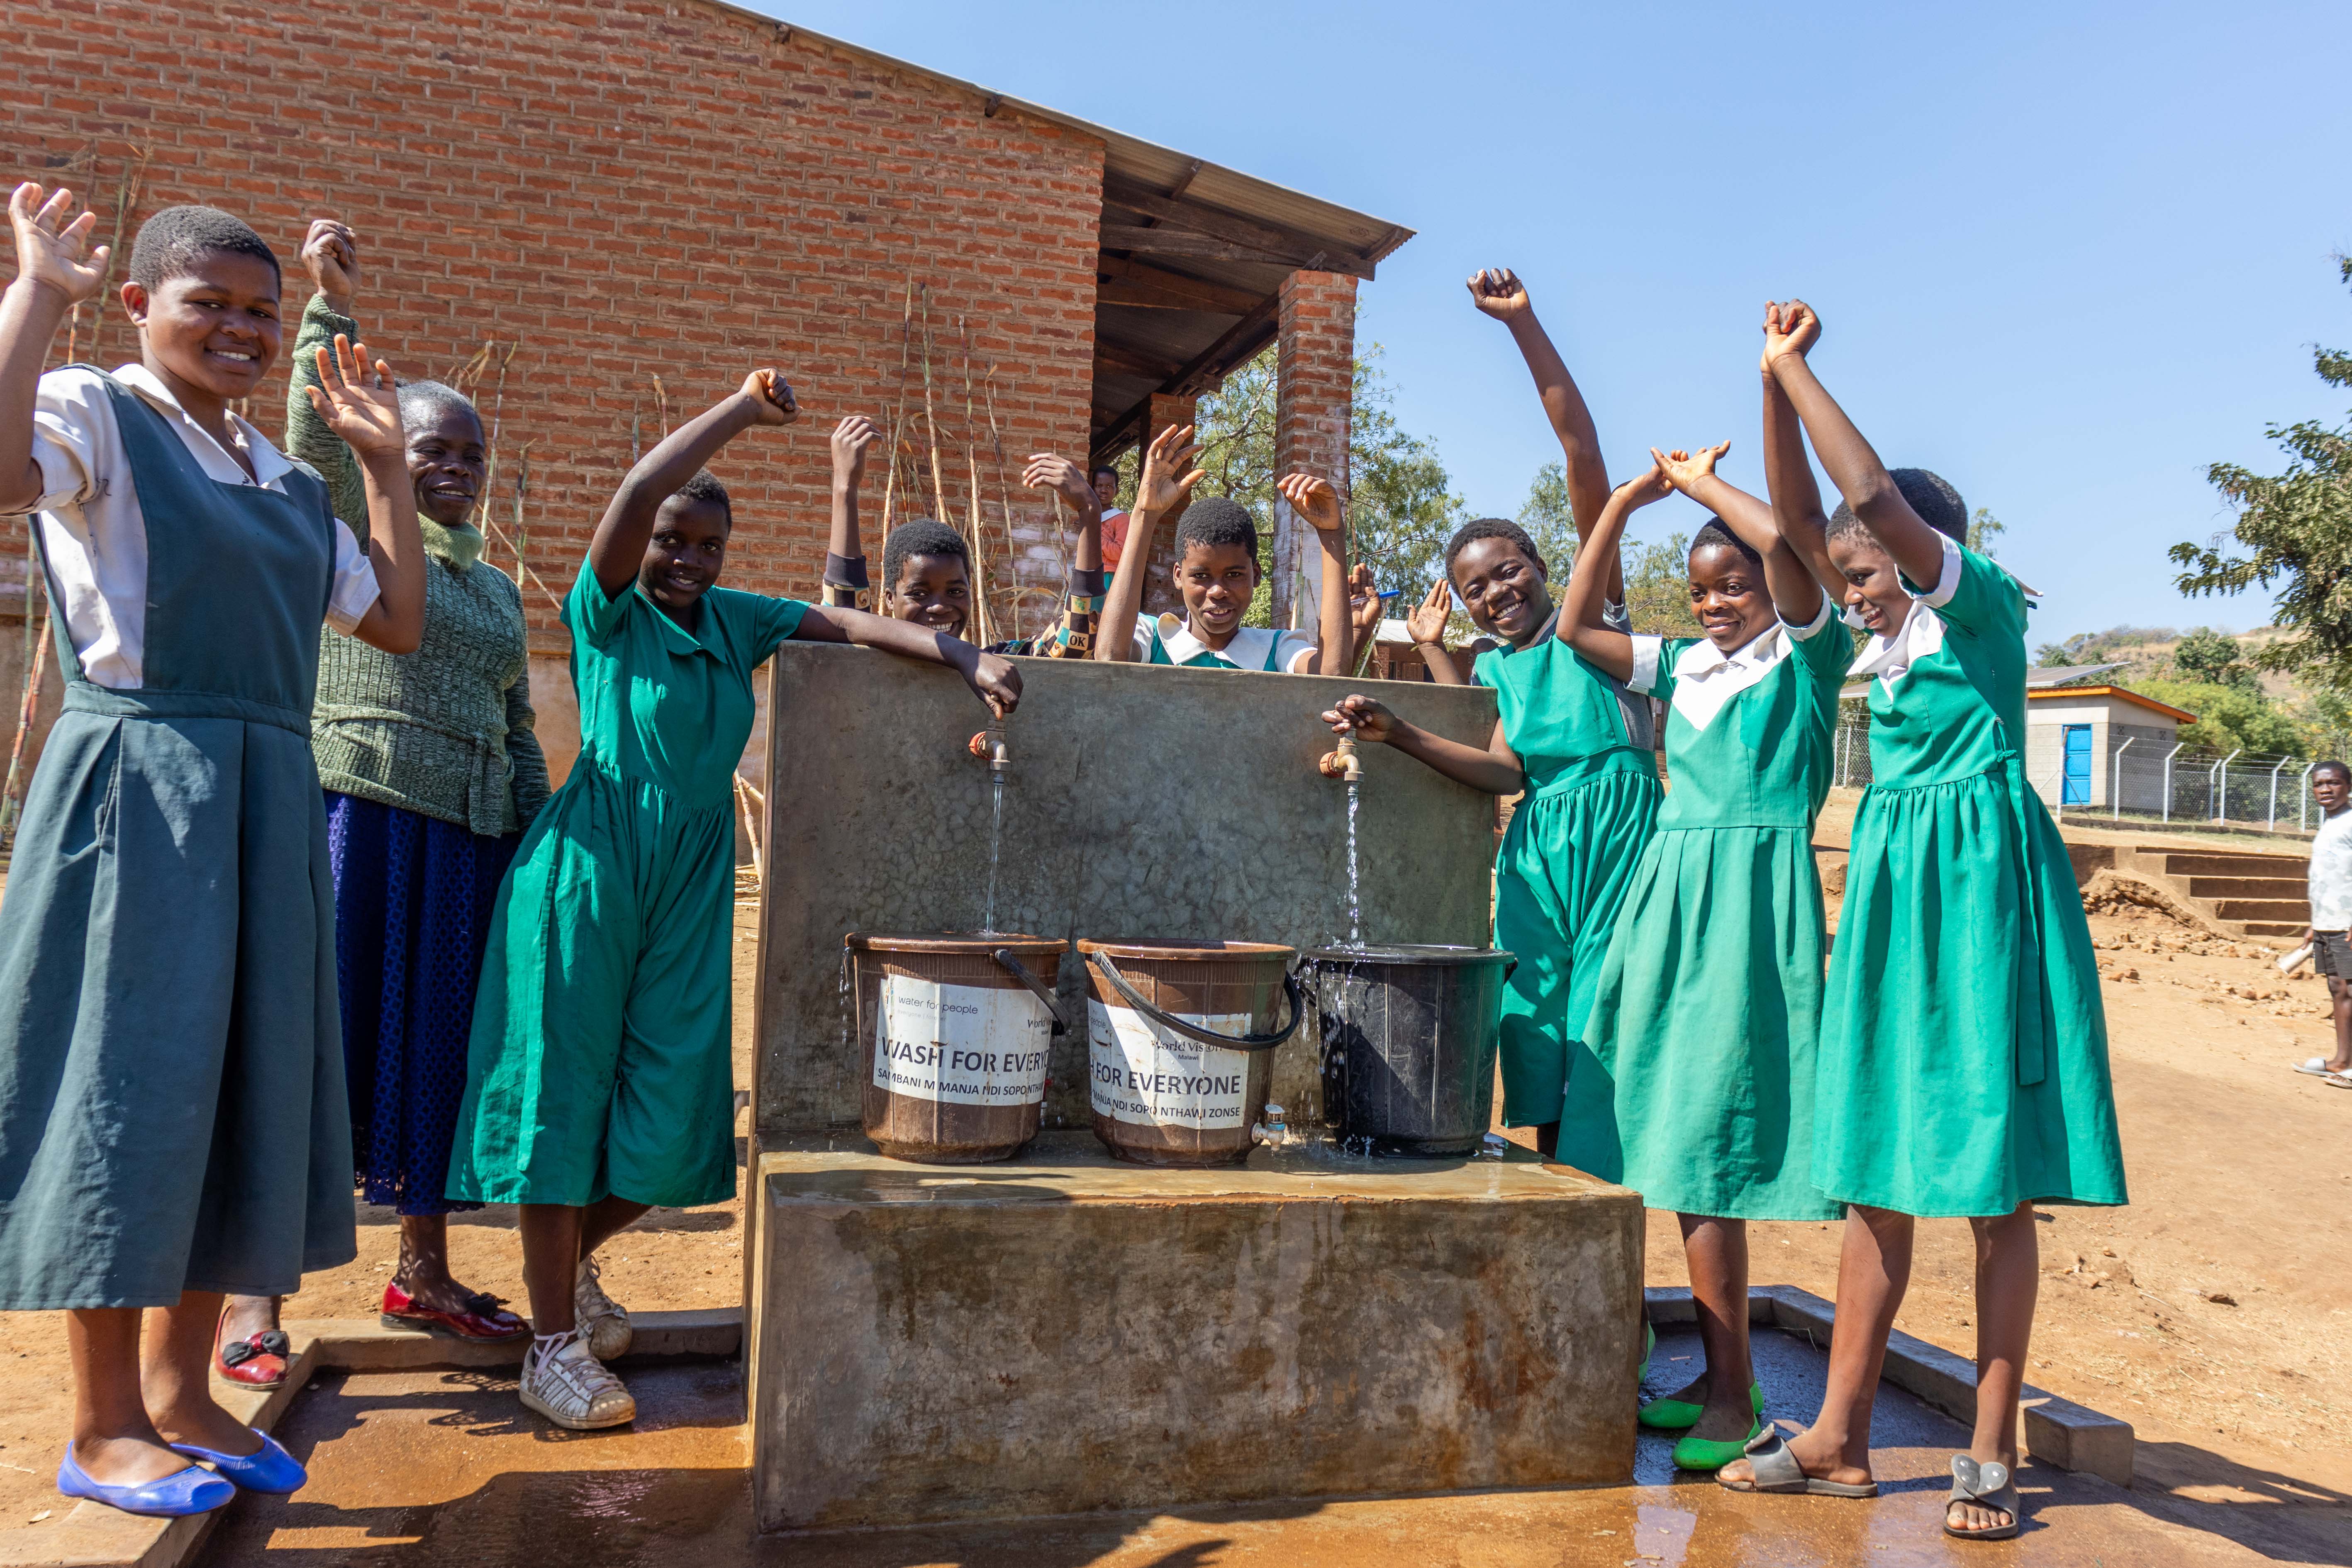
(2065, 255)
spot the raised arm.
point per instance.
(1789, 475)
(844, 560)
(53, 276)
(1163, 485)
(359, 407)
(1318, 503)
(1426, 626)
(619, 545)
(330, 254)
(1854, 467)
(1074, 637)
(1497, 770)
(1497, 292)
(991, 677)
(1581, 607)
(1796, 596)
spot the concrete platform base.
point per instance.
(1065, 1333)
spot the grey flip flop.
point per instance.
(1988, 1485)
(1777, 1470)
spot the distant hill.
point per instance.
(2145, 653)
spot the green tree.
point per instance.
(2215, 657)
(1403, 508)
(2295, 530)
(2229, 717)
(1658, 572)
(1983, 529)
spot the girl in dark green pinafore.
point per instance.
(173, 1124)
(1963, 1056)
(1710, 997)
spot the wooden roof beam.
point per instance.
(1271, 239)
(1156, 287)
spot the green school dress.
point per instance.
(1165, 639)
(601, 1056)
(1963, 1061)
(1710, 998)
(1562, 871)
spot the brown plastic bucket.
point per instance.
(1179, 1044)
(954, 1034)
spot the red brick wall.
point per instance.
(629, 191)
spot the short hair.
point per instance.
(1217, 520)
(1098, 470)
(2332, 766)
(424, 400)
(175, 242)
(920, 536)
(1716, 535)
(1490, 528)
(705, 486)
(1937, 502)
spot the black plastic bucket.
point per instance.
(1409, 1036)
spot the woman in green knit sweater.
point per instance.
(432, 770)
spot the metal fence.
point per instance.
(2146, 780)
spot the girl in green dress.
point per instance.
(598, 1080)
(1568, 735)
(1704, 1018)
(1963, 1056)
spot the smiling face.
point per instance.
(1728, 595)
(212, 334)
(1105, 483)
(1503, 588)
(685, 556)
(1873, 589)
(1216, 581)
(447, 461)
(933, 591)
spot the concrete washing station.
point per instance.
(1063, 1332)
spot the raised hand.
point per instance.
(357, 405)
(1426, 624)
(771, 398)
(1685, 469)
(330, 253)
(1163, 484)
(851, 440)
(1049, 471)
(995, 682)
(1363, 718)
(1363, 601)
(1313, 499)
(1645, 487)
(1791, 327)
(1497, 292)
(49, 248)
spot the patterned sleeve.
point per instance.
(526, 760)
(1824, 644)
(1074, 637)
(1975, 595)
(307, 436)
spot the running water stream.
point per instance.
(995, 840)
(1355, 891)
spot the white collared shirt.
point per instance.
(1890, 658)
(1249, 649)
(2331, 874)
(95, 535)
(1706, 677)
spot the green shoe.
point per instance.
(1681, 1415)
(1649, 1344)
(1701, 1454)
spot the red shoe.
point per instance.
(481, 1321)
(257, 1361)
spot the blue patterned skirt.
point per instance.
(412, 902)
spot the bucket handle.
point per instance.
(1194, 1031)
(1020, 971)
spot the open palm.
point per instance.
(359, 402)
(50, 248)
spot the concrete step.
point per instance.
(2214, 863)
(2276, 928)
(2248, 887)
(2261, 909)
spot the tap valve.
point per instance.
(989, 747)
(1343, 762)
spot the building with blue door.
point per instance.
(2084, 744)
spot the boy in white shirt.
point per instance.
(2331, 912)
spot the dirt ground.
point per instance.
(2207, 1313)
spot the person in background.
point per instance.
(432, 770)
(2331, 913)
(845, 558)
(1105, 482)
(173, 1122)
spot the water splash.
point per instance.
(1355, 885)
(995, 842)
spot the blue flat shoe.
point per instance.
(273, 1469)
(192, 1490)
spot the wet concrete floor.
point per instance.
(446, 1469)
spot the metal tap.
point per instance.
(989, 747)
(1343, 762)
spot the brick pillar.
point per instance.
(1160, 584)
(1315, 370)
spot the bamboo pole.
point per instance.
(972, 478)
(896, 435)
